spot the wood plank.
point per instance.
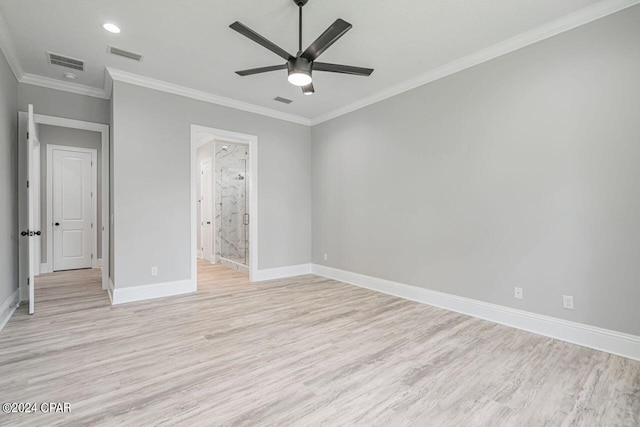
(300, 351)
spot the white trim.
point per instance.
(8, 307)
(104, 132)
(200, 255)
(156, 290)
(94, 201)
(110, 288)
(573, 20)
(240, 138)
(44, 268)
(99, 262)
(42, 119)
(613, 342)
(553, 28)
(282, 272)
(138, 80)
(48, 82)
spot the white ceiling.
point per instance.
(189, 43)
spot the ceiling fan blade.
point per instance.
(248, 32)
(308, 89)
(326, 39)
(343, 69)
(261, 70)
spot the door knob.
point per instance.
(56, 224)
(24, 233)
(37, 233)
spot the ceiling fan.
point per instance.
(301, 66)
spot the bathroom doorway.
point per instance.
(224, 201)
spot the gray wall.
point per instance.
(55, 135)
(152, 183)
(522, 171)
(68, 105)
(8, 181)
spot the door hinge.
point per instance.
(28, 281)
(27, 183)
(91, 256)
(27, 135)
(91, 225)
(91, 162)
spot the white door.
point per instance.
(206, 204)
(72, 210)
(26, 196)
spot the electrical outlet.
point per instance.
(326, 257)
(154, 271)
(517, 293)
(567, 302)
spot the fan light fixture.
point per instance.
(299, 78)
(299, 67)
(299, 72)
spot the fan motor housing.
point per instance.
(300, 3)
(299, 64)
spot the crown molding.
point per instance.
(6, 45)
(561, 25)
(135, 79)
(553, 28)
(50, 83)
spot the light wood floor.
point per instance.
(301, 351)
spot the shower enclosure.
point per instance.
(232, 205)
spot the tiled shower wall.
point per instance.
(231, 201)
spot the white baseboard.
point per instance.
(156, 290)
(110, 289)
(613, 342)
(281, 272)
(8, 307)
(99, 262)
(200, 254)
(44, 268)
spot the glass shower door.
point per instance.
(234, 215)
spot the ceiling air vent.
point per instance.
(125, 53)
(283, 100)
(65, 61)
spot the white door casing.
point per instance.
(28, 231)
(30, 205)
(72, 205)
(206, 209)
(40, 119)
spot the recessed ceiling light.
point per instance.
(112, 28)
(70, 76)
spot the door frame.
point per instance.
(94, 201)
(42, 119)
(212, 249)
(240, 138)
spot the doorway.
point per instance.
(80, 174)
(224, 199)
